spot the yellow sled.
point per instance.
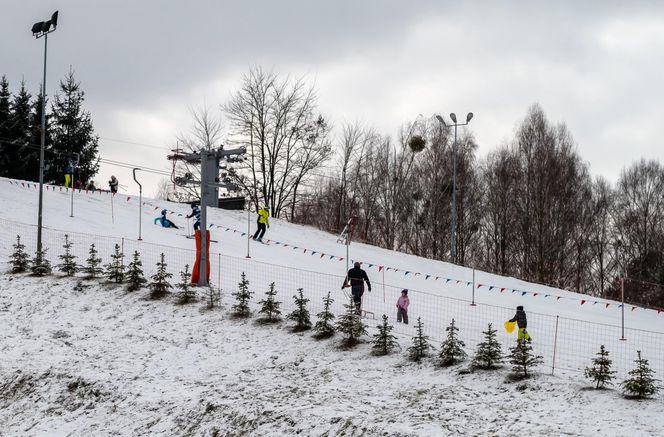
(509, 326)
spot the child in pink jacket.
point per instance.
(402, 306)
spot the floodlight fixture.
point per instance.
(453, 117)
(469, 117)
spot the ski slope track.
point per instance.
(81, 358)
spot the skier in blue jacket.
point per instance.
(164, 221)
(195, 212)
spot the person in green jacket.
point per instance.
(263, 215)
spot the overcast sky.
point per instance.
(598, 66)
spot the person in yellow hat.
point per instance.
(522, 323)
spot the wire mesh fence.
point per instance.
(564, 343)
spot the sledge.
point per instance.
(509, 326)
(193, 237)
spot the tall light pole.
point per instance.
(43, 28)
(454, 155)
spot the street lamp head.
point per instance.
(37, 28)
(453, 117)
(43, 27)
(469, 117)
(441, 120)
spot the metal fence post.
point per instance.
(472, 303)
(555, 344)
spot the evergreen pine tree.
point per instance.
(384, 342)
(301, 313)
(92, 268)
(19, 134)
(242, 297)
(600, 372)
(115, 270)
(421, 345)
(72, 132)
(641, 383)
(135, 277)
(19, 260)
(270, 306)
(5, 118)
(212, 296)
(40, 265)
(350, 323)
(451, 350)
(68, 265)
(160, 285)
(488, 354)
(325, 325)
(186, 294)
(522, 359)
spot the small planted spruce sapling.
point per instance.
(383, 341)
(92, 267)
(68, 265)
(523, 359)
(270, 306)
(159, 286)
(19, 259)
(242, 297)
(115, 271)
(641, 384)
(301, 314)
(600, 372)
(350, 324)
(488, 354)
(421, 345)
(324, 326)
(451, 350)
(186, 293)
(40, 265)
(135, 278)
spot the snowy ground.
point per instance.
(101, 361)
(98, 361)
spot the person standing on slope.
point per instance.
(69, 173)
(263, 215)
(402, 306)
(522, 323)
(113, 185)
(355, 279)
(195, 212)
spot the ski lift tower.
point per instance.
(209, 160)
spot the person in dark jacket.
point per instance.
(355, 279)
(113, 185)
(522, 323)
(195, 212)
(164, 221)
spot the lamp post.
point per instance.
(39, 29)
(454, 155)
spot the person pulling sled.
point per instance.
(355, 280)
(521, 323)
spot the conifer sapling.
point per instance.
(325, 324)
(641, 383)
(451, 350)
(68, 265)
(301, 313)
(270, 306)
(19, 259)
(488, 354)
(384, 342)
(350, 323)
(242, 297)
(135, 278)
(160, 285)
(522, 359)
(600, 371)
(40, 265)
(92, 268)
(186, 293)
(421, 345)
(115, 271)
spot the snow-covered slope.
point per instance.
(161, 367)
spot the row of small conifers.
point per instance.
(488, 354)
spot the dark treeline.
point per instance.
(69, 130)
(530, 209)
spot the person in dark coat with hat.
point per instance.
(522, 323)
(355, 280)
